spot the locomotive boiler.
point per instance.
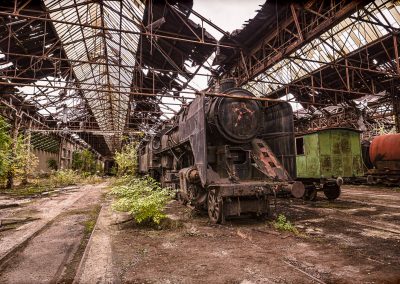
(216, 155)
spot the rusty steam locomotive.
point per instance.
(229, 155)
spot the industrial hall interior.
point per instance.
(199, 141)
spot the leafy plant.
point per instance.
(142, 197)
(92, 179)
(281, 223)
(127, 160)
(64, 178)
(84, 161)
(77, 161)
(22, 163)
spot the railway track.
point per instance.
(337, 214)
(365, 214)
(50, 250)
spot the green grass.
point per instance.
(27, 190)
(90, 223)
(58, 179)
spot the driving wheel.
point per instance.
(214, 204)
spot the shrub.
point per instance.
(24, 162)
(84, 161)
(64, 178)
(77, 162)
(92, 179)
(127, 160)
(141, 197)
(283, 224)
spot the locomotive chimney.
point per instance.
(226, 84)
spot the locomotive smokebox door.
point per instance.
(240, 118)
(236, 120)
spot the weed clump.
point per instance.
(282, 224)
(69, 177)
(143, 198)
(63, 178)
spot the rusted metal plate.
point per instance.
(193, 129)
(297, 189)
(235, 120)
(278, 132)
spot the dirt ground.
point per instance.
(355, 239)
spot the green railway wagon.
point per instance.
(325, 157)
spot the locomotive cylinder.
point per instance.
(385, 148)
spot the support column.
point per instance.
(14, 136)
(395, 95)
(60, 153)
(396, 111)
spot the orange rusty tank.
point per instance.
(385, 148)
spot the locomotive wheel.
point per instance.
(214, 205)
(331, 191)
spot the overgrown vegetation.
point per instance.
(282, 224)
(52, 164)
(5, 142)
(84, 161)
(58, 179)
(64, 178)
(144, 198)
(126, 160)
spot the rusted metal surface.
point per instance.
(267, 162)
(385, 148)
(278, 132)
